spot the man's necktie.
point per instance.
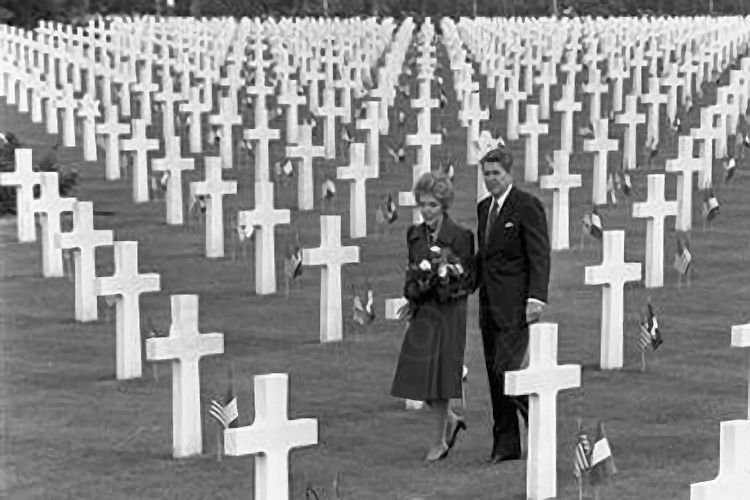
(491, 218)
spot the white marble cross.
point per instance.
(371, 123)
(656, 209)
(140, 145)
(226, 120)
(515, 97)
(263, 135)
(264, 217)
(630, 118)
(545, 79)
(707, 133)
(89, 111)
(175, 164)
(733, 481)
(542, 381)
(214, 188)
(50, 206)
(330, 111)
(167, 97)
(561, 182)
(144, 88)
(567, 105)
(332, 256)
(532, 129)
(601, 145)
(84, 240)
(474, 115)
(595, 88)
(113, 130)
(305, 151)
(185, 346)
(741, 338)
(68, 103)
(654, 99)
(292, 100)
(127, 284)
(685, 165)
(359, 173)
(613, 273)
(272, 436)
(195, 108)
(23, 178)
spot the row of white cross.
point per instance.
(185, 345)
(83, 218)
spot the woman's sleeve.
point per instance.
(410, 291)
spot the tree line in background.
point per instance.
(27, 13)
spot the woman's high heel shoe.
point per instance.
(459, 425)
(438, 452)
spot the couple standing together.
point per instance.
(511, 271)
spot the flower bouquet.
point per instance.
(437, 276)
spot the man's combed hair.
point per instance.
(498, 155)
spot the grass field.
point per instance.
(72, 431)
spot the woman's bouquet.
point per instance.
(439, 275)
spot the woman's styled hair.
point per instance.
(436, 184)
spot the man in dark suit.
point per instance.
(512, 270)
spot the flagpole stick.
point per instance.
(219, 444)
(580, 487)
(643, 360)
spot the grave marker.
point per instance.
(305, 151)
(601, 145)
(185, 346)
(84, 240)
(613, 273)
(50, 207)
(140, 145)
(272, 436)
(656, 209)
(733, 481)
(175, 164)
(359, 173)
(128, 285)
(561, 181)
(23, 178)
(214, 188)
(332, 256)
(542, 381)
(532, 129)
(685, 165)
(264, 217)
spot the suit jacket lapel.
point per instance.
(505, 210)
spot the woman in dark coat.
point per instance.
(430, 366)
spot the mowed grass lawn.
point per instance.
(72, 431)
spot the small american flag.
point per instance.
(363, 314)
(649, 335)
(611, 190)
(293, 264)
(710, 205)
(592, 224)
(682, 258)
(328, 189)
(226, 412)
(730, 166)
(581, 463)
